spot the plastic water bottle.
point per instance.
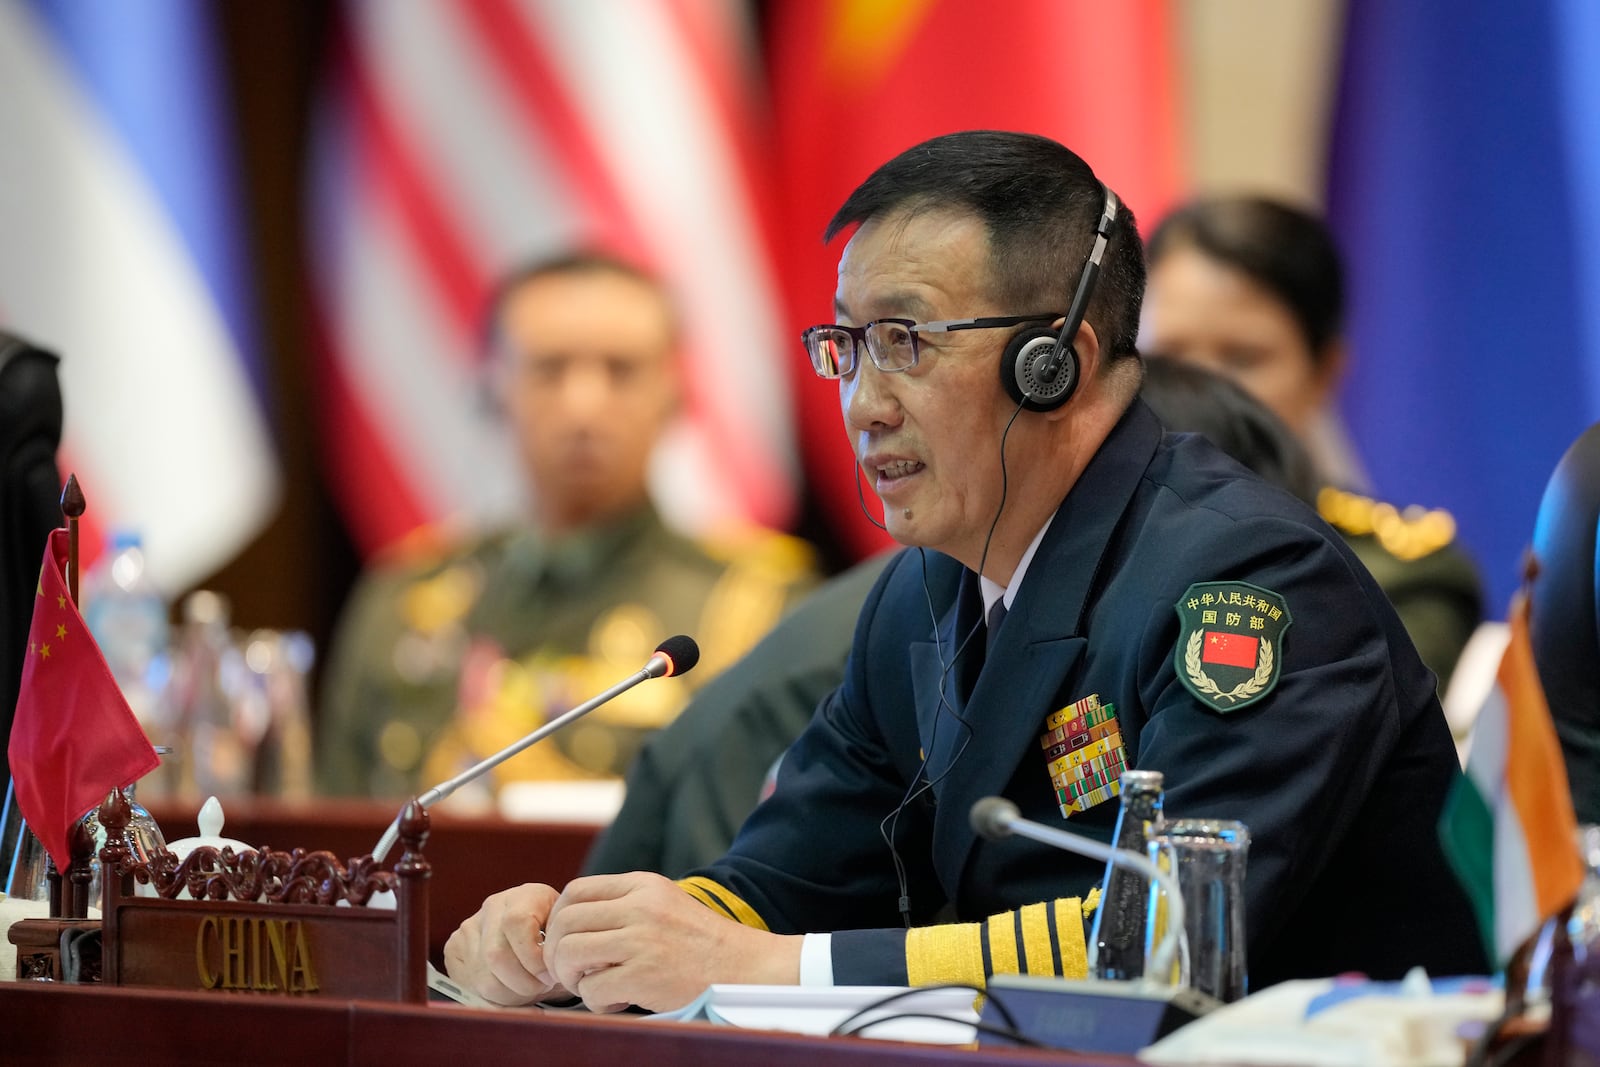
(127, 615)
(221, 725)
(1117, 939)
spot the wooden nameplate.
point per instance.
(266, 923)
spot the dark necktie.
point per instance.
(997, 615)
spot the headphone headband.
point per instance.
(1091, 272)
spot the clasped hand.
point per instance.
(614, 940)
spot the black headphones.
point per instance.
(1039, 368)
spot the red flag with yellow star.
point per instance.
(74, 738)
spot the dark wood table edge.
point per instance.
(47, 1023)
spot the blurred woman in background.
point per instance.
(1254, 289)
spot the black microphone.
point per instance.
(674, 656)
(996, 817)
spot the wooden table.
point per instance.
(472, 855)
(52, 1024)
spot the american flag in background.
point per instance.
(121, 251)
(457, 140)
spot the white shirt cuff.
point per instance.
(816, 960)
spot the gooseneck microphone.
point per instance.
(997, 817)
(674, 656)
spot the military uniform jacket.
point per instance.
(693, 784)
(572, 615)
(1339, 769)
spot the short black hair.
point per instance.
(1284, 249)
(575, 262)
(1189, 398)
(1040, 204)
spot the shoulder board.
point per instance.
(781, 557)
(763, 573)
(423, 546)
(442, 599)
(1409, 534)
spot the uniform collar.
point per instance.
(992, 590)
(580, 556)
(1073, 544)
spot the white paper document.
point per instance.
(932, 1016)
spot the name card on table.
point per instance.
(267, 923)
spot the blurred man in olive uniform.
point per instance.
(445, 656)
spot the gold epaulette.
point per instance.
(764, 571)
(422, 546)
(1409, 534)
(444, 582)
(428, 605)
(785, 558)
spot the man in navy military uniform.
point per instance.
(1085, 581)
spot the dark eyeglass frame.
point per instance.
(863, 336)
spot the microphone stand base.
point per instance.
(1088, 1015)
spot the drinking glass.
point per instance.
(1207, 856)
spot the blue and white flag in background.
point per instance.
(121, 250)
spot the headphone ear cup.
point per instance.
(1022, 368)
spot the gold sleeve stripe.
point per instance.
(1068, 915)
(950, 953)
(1002, 932)
(729, 903)
(1036, 940)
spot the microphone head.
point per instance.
(681, 654)
(991, 817)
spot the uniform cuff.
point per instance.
(816, 960)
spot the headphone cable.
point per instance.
(887, 829)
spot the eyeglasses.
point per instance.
(891, 343)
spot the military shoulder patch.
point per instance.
(1230, 642)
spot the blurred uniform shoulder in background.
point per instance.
(695, 782)
(1253, 289)
(1413, 554)
(441, 660)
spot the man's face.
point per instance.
(927, 439)
(1201, 311)
(590, 385)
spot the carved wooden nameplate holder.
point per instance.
(39, 941)
(264, 922)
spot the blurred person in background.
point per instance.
(694, 783)
(1190, 398)
(1254, 289)
(445, 655)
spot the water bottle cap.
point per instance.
(1141, 779)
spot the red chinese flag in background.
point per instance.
(74, 738)
(1231, 650)
(856, 81)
